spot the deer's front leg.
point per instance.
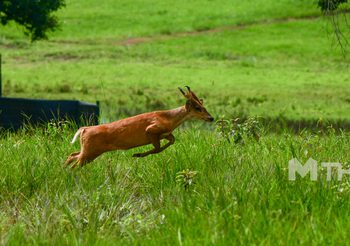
(171, 140)
(156, 144)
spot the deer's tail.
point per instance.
(76, 135)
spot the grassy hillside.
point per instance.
(121, 19)
(263, 66)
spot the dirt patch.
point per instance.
(164, 37)
(139, 40)
(61, 56)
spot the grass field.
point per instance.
(245, 58)
(241, 193)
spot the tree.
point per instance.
(35, 15)
(333, 10)
(330, 5)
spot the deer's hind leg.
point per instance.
(85, 157)
(72, 157)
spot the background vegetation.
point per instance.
(35, 16)
(274, 59)
(262, 57)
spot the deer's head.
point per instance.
(194, 106)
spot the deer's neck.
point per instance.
(177, 116)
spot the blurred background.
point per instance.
(244, 58)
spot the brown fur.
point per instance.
(139, 130)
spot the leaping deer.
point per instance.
(139, 130)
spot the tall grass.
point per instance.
(241, 192)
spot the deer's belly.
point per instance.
(128, 142)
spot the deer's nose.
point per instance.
(211, 119)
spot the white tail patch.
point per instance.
(76, 135)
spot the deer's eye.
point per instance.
(198, 109)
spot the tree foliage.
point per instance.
(35, 15)
(330, 5)
(337, 13)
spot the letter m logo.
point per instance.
(296, 167)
